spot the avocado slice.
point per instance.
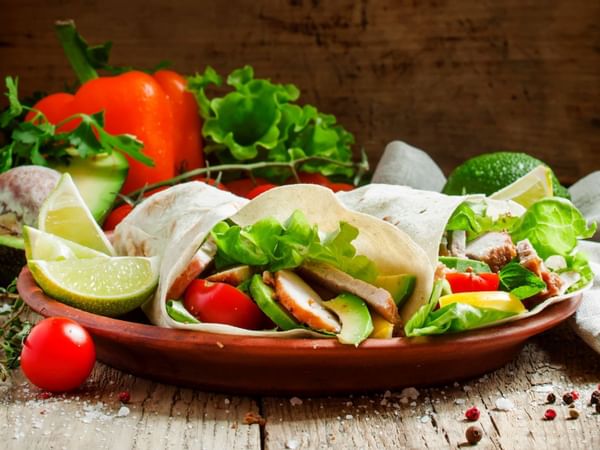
(401, 286)
(99, 180)
(264, 297)
(464, 264)
(355, 317)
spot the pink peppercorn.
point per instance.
(472, 414)
(124, 397)
(550, 414)
(575, 395)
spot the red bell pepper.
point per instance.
(156, 109)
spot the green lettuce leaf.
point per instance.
(457, 317)
(472, 218)
(258, 120)
(519, 281)
(274, 246)
(579, 263)
(553, 226)
(419, 318)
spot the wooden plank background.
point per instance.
(455, 78)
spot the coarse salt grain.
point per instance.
(459, 401)
(295, 401)
(425, 419)
(410, 393)
(123, 411)
(504, 404)
(292, 444)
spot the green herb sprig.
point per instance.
(40, 142)
(13, 329)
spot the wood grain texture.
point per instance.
(455, 78)
(163, 416)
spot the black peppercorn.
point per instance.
(473, 434)
(595, 398)
(551, 397)
(568, 398)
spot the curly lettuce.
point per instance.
(259, 121)
(274, 246)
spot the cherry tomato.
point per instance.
(116, 216)
(243, 186)
(58, 355)
(222, 303)
(472, 282)
(259, 190)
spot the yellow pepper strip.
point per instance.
(500, 300)
(382, 329)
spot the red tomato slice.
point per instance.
(58, 355)
(259, 190)
(472, 282)
(222, 303)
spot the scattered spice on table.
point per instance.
(473, 434)
(550, 414)
(472, 414)
(551, 398)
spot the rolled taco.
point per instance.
(496, 261)
(310, 265)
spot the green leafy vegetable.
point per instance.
(472, 218)
(13, 329)
(464, 264)
(519, 281)
(259, 121)
(274, 246)
(39, 142)
(579, 263)
(553, 226)
(419, 318)
(457, 317)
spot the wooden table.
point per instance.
(163, 416)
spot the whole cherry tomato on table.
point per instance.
(472, 282)
(222, 303)
(58, 355)
(259, 190)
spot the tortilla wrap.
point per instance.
(423, 215)
(390, 248)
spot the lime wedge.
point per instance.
(534, 186)
(48, 247)
(107, 286)
(65, 214)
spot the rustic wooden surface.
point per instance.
(455, 78)
(164, 416)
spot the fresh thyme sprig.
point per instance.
(14, 328)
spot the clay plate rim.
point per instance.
(151, 335)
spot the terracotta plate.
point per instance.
(268, 366)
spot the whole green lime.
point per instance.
(490, 172)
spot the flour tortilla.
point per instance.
(391, 249)
(423, 215)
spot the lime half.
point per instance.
(528, 189)
(48, 247)
(106, 286)
(65, 214)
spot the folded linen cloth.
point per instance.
(586, 320)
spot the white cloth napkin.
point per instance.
(586, 320)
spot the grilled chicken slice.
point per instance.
(337, 281)
(304, 303)
(234, 276)
(496, 249)
(458, 243)
(197, 265)
(530, 260)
